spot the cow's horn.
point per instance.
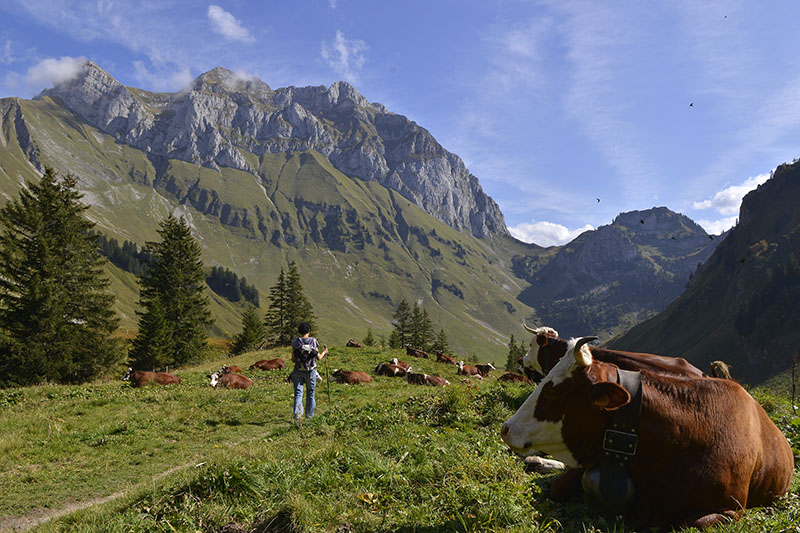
(581, 357)
(527, 327)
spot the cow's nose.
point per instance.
(504, 432)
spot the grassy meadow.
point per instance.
(385, 456)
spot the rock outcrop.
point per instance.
(223, 114)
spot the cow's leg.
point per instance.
(566, 485)
(712, 519)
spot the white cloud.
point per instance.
(546, 233)
(727, 201)
(715, 227)
(344, 56)
(332, 3)
(227, 25)
(5, 53)
(50, 71)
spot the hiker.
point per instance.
(305, 354)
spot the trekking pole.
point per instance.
(327, 380)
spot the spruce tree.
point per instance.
(369, 340)
(176, 278)
(402, 325)
(253, 332)
(275, 320)
(56, 313)
(153, 346)
(299, 308)
(440, 342)
(288, 307)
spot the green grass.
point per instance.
(385, 456)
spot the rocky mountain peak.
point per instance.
(225, 115)
(222, 80)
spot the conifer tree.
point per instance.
(402, 325)
(153, 346)
(176, 278)
(288, 307)
(421, 328)
(299, 308)
(440, 342)
(275, 320)
(56, 311)
(253, 331)
(511, 359)
(369, 340)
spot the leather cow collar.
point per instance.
(609, 486)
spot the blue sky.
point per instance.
(551, 104)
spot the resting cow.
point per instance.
(402, 364)
(351, 377)
(514, 377)
(704, 449)
(231, 381)
(547, 349)
(233, 369)
(139, 378)
(415, 352)
(353, 344)
(467, 370)
(484, 370)
(390, 370)
(426, 379)
(268, 364)
(442, 358)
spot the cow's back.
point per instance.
(705, 444)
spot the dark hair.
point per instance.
(304, 328)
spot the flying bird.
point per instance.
(641, 220)
(691, 105)
(598, 200)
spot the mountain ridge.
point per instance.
(222, 114)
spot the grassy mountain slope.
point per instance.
(360, 247)
(385, 456)
(741, 305)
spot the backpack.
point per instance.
(305, 355)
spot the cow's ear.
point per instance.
(609, 396)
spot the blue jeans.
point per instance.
(309, 379)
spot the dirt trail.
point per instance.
(40, 516)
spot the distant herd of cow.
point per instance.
(696, 450)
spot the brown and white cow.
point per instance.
(706, 449)
(390, 370)
(233, 369)
(231, 381)
(547, 349)
(268, 364)
(351, 377)
(426, 379)
(444, 358)
(514, 377)
(402, 364)
(139, 378)
(467, 370)
(353, 344)
(415, 352)
(484, 370)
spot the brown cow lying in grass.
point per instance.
(514, 377)
(353, 344)
(484, 370)
(402, 364)
(390, 370)
(442, 358)
(268, 364)
(233, 369)
(231, 381)
(139, 378)
(351, 377)
(468, 370)
(425, 379)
